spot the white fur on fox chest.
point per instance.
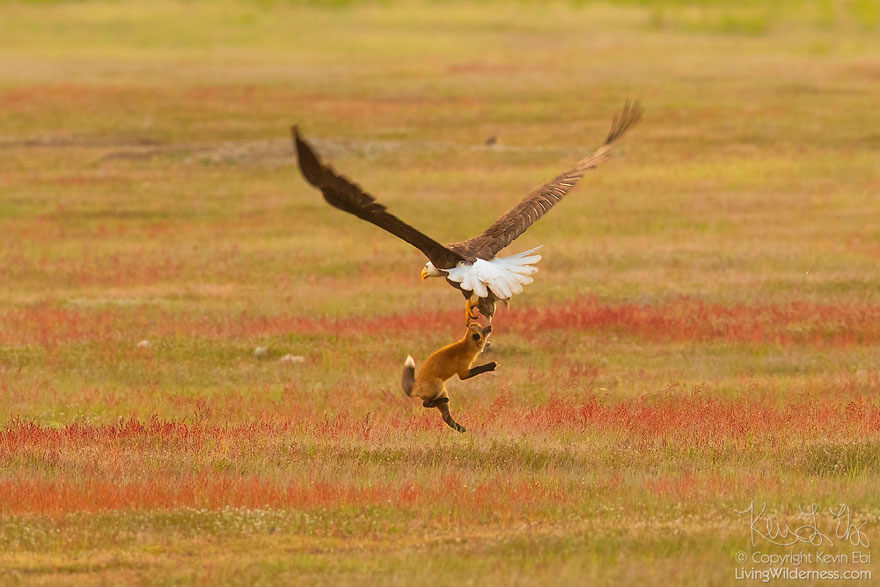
(505, 276)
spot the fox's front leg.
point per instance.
(474, 371)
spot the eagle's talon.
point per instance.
(470, 312)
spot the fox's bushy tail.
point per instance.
(409, 376)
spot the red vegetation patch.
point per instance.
(50, 325)
(132, 465)
(690, 420)
(702, 422)
(689, 319)
(683, 319)
(310, 461)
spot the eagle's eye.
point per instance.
(476, 337)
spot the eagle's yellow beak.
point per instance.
(424, 273)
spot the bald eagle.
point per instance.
(472, 266)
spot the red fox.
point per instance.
(454, 359)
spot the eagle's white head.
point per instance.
(431, 271)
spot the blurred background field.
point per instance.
(704, 330)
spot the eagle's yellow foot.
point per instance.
(470, 312)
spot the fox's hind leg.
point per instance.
(442, 404)
(447, 417)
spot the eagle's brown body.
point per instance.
(451, 260)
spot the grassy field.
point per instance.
(704, 332)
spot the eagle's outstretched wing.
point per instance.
(345, 195)
(516, 220)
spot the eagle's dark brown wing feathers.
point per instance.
(624, 120)
(345, 195)
(516, 220)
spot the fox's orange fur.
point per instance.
(455, 359)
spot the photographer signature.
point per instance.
(780, 533)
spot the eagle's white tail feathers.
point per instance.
(409, 362)
(505, 276)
